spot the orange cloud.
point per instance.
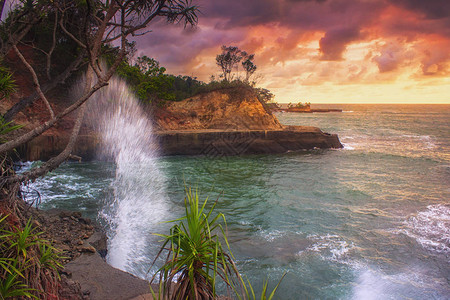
(330, 45)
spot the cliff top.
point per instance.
(225, 109)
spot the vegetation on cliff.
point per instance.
(152, 85)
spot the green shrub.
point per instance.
(195, 258)
(7, 83)
(23, 258)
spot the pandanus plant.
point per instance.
(195, 256)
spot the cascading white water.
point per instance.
(138, 202)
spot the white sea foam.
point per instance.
(430, 228)
(392, 142)
(331, 247)
(348, 146)
(368, 286)
(349, 142)
(270, 236)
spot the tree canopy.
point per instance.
(229, 60)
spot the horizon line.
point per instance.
(370, 103)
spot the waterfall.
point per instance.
(138, 201)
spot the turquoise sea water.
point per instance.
(370, 221)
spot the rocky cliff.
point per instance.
(226, 109)
(224, 122)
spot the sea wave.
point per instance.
(430, 228)
(331, 247)
(393, 143)
(414, 284)
(272, 235)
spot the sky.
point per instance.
(322, 51)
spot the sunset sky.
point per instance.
(323, 51)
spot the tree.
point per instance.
(149, 66)
(52, 41)
(249, 66)
(86, 28)
(264, 95)
(228, 60)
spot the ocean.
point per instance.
(370, 221)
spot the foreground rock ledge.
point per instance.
(86, 275)
(238, 142)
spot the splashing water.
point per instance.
(430, 228)
(137, 202)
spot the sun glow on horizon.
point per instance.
(399, 93)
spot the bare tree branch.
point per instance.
(2, 5)
(35, 80)
(70, 34)
(54, 162)
(100, 21)
(8, 146)
(26, 20)
(61, 78)
(52, 48)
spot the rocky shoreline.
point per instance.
(86, 275)
(243, 142)
(209, 142)
(219, 123)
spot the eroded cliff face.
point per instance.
(220, 120)
(227, 109)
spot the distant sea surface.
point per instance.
(370, 221)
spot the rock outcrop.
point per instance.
(217, 143)
(226, 122)
(226, 109)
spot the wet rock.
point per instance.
(217, 143)
(101, 281)
(88, 249)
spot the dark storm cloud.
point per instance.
(306, 14)
(433, 9)
(237, 13)
(333, 44)
(275, 29)
(306, 0)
